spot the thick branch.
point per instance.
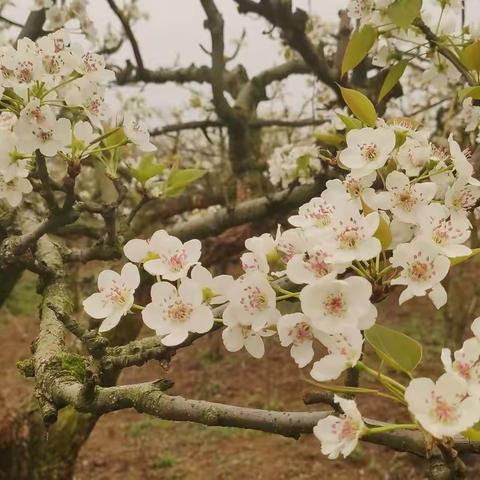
(214, 24)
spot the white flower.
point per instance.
(469, 115)
(445, 233)
(333, 305)
(93, 68)
(14, 184)
(311, 265)
(174, 313)
(115, 296)
(288, 163)
(164, 254)
(351, 236)
(237, 336)
(344, 351)
(319, 211)
(252, 302)
(461, 197)
(359, 187)
(48, 136)
(340, 435)
(465, 364)
(463, 168)
(367, 149)
(296, 329)
(442, 408)
(56, 17)
(414, 153)
(137, 132)
(214, 288)
(422, 269)
(403, 199)
(261, 250)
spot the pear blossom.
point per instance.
(351, 236)
(252, 302)
(403, 199)
(344, 351)
(415, 152)
(359, 187)
(465, 364)
(49, 137)
(469, 115)
(293, 162)
(311, 265)
(333, 305)
(138, 134)
(443, 408)
(368, 149)
(446, 233)
(423, 267)
(340, 435)
(238, 335)
(319, 211)
(262, 249)
(463, 168)
(296, 329)
(115, 296)
(214, 289)
(92, 67)
(173, 313)
(14, 184)
(461, 197)
(164, 254)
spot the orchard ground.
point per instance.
(131, 446)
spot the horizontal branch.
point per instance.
(212, 223)
(258, 123)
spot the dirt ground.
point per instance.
(130, 446)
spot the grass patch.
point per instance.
(167, 460)
(146, 424)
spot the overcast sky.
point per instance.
(175, 31)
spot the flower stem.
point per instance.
(388, 428)
(380, 376)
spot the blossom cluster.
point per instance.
(290, 163)
(52, 104)
(398, 217)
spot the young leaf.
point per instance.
(360, 105)
(178, 180)
(393, 76)
(349, 122)
(403, 12)
(473, 92)
(457, 260)
(396, 349)
(147, 169)
(383, 233)
(470, 56)
(358, 46)
(472, 434)
(331, 139)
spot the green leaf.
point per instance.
(393, 76)
(330, 139)
(403, 12)
(473, 92)
(470, 56)
(147, 168)
(472, 434)
(360, 105)
(457, 260)
(358, 46)
(178, 180)
(349, 122)
(396, 349)
(116, 138)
